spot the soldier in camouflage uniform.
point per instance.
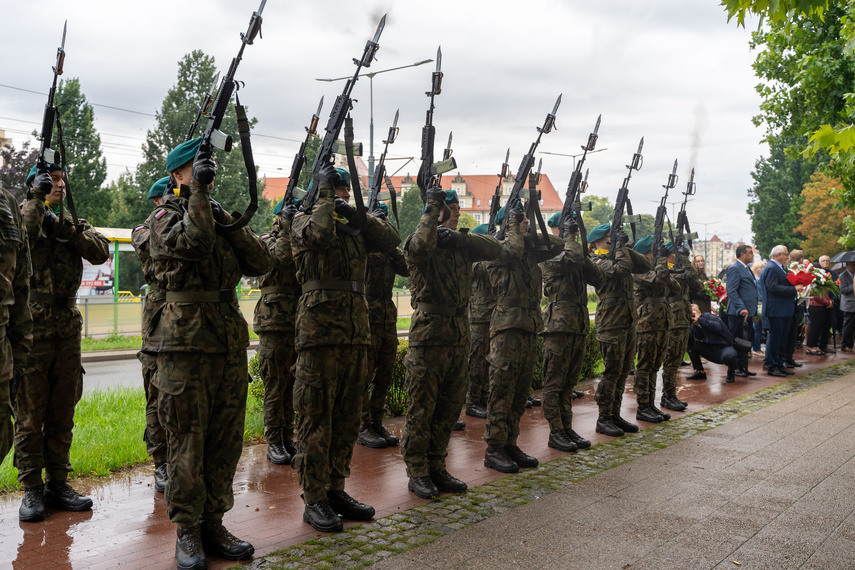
(684, 281)
(332, 345)
(480, 312)
(516, 280)
(654, 320)
(440, 262)
(51, 386)
(615, 324)
(154, 435)
(565, 330)
(273, 321)
(200, 338)
(383, 320)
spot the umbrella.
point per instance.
(843, 257)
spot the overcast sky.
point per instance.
(672, 71)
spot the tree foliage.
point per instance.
(409, 211)
(16, 164)
(821, 217)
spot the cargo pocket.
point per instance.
(168, 378)
(498, 362)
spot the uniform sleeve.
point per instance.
(90, 244)
(190, 236)
(479, 247)
(640, 263)
(419, 248)
(279, 245)
(33, 211)
(591, 272)
(398, 262)
(20, 329)
(556, 246)
(317, 230)
(513, 246)
(380, 235)
(253, 254)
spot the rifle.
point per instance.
(214, 137)
(203, 108)
(495, 203)
(374, 196)
(573, 206)
(525, 168)
(51, 115)
(683, 231)
(623, 202)
(341, 107)
(661, 214)
(300, 158)
(430, 172)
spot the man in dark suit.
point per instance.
(742, 299)
(712, 340)
(847, 305)
(778, 309)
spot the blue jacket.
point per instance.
(712, 330)
(741, 290)
(780, 293)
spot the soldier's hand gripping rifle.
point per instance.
(214, 137)
(573, 206)
(51, 116)
(661, 214)
(684, 233)
(535, 218)
(623, 203)
(292, 192)
(375, 196)
(341, 107)
(496, 202)
(525, 167)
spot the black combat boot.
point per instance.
(606, 426)
(322, 517)
(581, 442)
(444, 481)
(349, 508)
(459, 425)
(672, 403)
(558, 440)
(290, 447)
(278, 454)
(160, 477)
(188, 550)
(423, 487)
(476, 411)
(535, 401)
(381, 430)
(62, 496)
(33, 505)
(626, 426)
(665, 415)
(497, 458)
(221, 543)
(520, 457)
(646, 414)
(578, 394)
(370, 438)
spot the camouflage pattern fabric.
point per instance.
(676, 342)
(684, 284)
(618, 349)
(563, 356)
(278, 311)
(511, 359)
(654, 320)
(481, 306)
(651, 353)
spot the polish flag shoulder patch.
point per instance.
(160, 213)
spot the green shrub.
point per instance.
(592, 297)
(396, 399)
(593, 357)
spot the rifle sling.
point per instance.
(393, 197)
(354, 174)
(68, 195)
(249, 162)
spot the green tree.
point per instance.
(16, 164)
(409, 211)
(466, 221)
(601, 212)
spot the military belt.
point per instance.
(156, 294)
(615, 295)
(46, 299)
(221, 296)
(278, 289)
(652, 300)
(442, 310)
(565, 298)
(329, 285)
(676, 298)
(517, 302)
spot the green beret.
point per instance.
(500, 215)
(451, 197)
(343, 178)
(554, 219)
(383, 208)
(182, 154)
(482, 229)
(670, 246)
(278, 208)
(51, 168)
(644, 244)
(158, 188)
(599, 232)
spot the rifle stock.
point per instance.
(623, 203)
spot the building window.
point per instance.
(541, 202)
(479, 201)
(478, 217)
(490, 202)
(462, 204)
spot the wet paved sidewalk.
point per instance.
(129, 528)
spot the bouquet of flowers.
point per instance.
(800, 273)
(822, 283)
(717, 291)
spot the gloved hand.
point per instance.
(219, 213)
(663, 252)
(378, 213)
(289, 211)
(328, 174)
(204, 168)
(683, 249)
(446, 238)
(622, 237)
(517, 212)
(344, 209)
(43, 183)
(436, 193)
(569, 226)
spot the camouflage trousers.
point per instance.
(618, 350)
(6, 372)
(651, 353)
(678, 341)
(50, 389)
(479, 369)
(328, 389)
(276, 356)
(563, 356)
(381, 366)
(511, 359)
(436, 386)
(154, 435)
(202, 407)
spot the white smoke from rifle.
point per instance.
(700, 114)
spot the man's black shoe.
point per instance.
(535, 401)
(788, 372)
(665, 415)
(33, 505)
(672, 403)
(581, 442)
(349, 508)
(626, 426)
(496, 458)
(697, 376)
(188, 549)
(527, 404)
(380, 429)
(730, 379)
(793, 364)
(606, 426)
(445, 481)
(558, 440)
(776, 372)
(740, 373)
(459, 426)
(685, 363)
(520, 457)
(749, 373)
(423, 487)
(646, 414)
(62, 496)
(322, 517)
(219, 542)
(160, 477)
(578, 394)
(370, 438)
(278, 454)
(476, 411)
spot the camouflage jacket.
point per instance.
(651, 291)
(327, 251)
(615, 304)
(517, 282)
(57, 270)
(565, 279)
(189, 256)
(379, 280)
(15, 272)
(483, 299)
(443, 278)
(155, 297)
(685, 282)
(276, 311)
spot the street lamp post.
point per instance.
(370, 77)
(573, 156)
